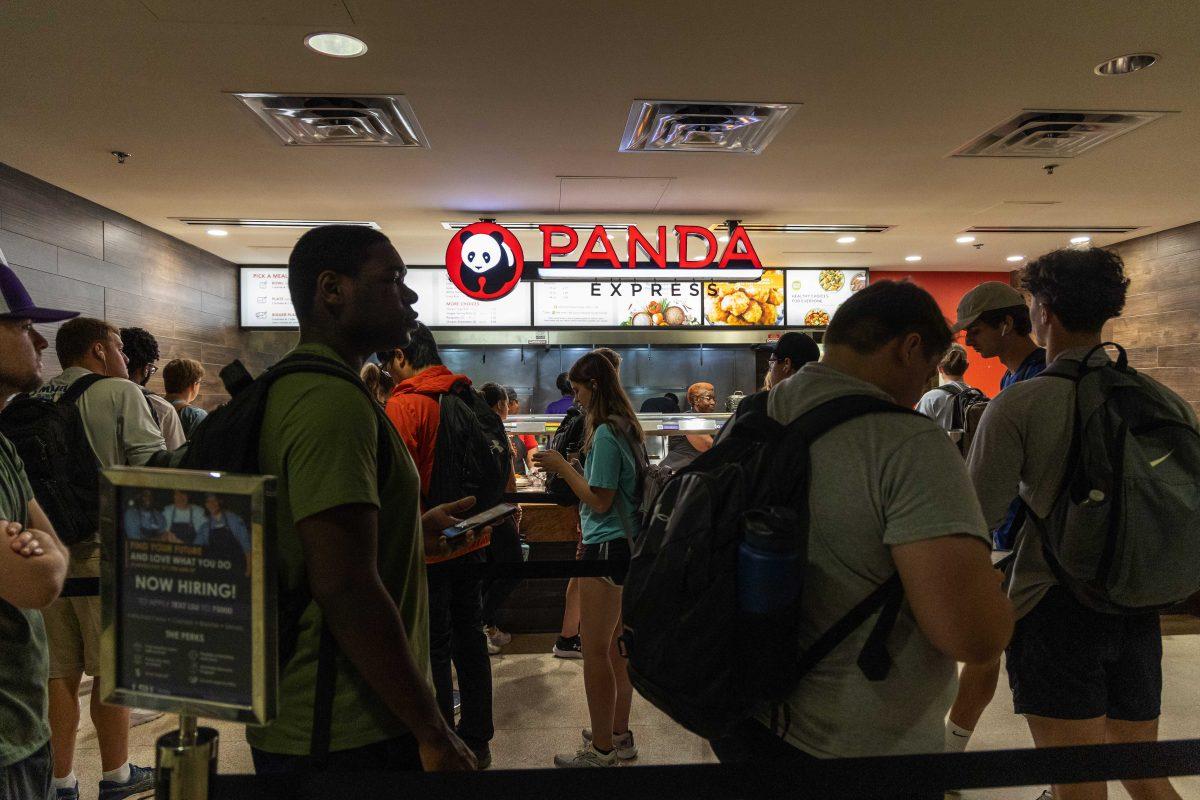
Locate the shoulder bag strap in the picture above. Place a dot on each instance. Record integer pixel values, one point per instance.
(76, 389)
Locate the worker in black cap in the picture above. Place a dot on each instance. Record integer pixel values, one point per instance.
(789, 353)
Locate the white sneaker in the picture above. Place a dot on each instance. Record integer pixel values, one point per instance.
(496, 636)
(623, 745)
(586, 756)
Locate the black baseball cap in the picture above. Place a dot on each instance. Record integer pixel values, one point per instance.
(797, 346)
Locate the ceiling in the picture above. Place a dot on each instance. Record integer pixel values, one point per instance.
(515, 97)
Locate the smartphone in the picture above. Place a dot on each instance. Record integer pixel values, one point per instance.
(481, 520)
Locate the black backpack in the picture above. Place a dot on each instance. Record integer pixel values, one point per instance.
(471, 454)
(1122, 536)
(227, 440)
(567, 439)
(692, 652)
(63, 470)
(963, 400)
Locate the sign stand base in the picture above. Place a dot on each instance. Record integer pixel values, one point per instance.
(186, 761)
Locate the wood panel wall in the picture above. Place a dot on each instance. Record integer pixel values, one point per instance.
(74, 254)
(1161, 324)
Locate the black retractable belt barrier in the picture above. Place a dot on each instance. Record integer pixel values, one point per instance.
(527, 570)
(850, 778)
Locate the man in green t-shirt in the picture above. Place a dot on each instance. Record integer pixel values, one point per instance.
(352, 532)
(33, 565)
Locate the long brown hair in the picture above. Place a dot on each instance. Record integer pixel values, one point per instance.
(609, 402)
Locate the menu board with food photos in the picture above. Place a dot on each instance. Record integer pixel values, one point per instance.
(758, 303)
(813, 295)
(613, 304)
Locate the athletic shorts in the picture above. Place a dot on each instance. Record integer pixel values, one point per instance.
(73, 626)
(1067, 661)
(616, 551)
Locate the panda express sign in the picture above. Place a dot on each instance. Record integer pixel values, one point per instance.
(485, 260)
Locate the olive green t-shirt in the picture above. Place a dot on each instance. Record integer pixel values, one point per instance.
(319, 438)
(23, 659)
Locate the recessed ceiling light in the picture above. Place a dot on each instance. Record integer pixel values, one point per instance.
(965, 239)
(338, 45)
(217, 232)
(912, 258)
(1123, 65)
(1016, 258)
(1080, 239)
(846, 240)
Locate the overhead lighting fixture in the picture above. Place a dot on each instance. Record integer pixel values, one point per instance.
(273, 223)
(1123, 65)
(337, 45)
(847, 239)
(1080, 229)
(965, 239)
(763, 227)
(1016, 258)
(216, 232)
(912, 258)
(1080, 239)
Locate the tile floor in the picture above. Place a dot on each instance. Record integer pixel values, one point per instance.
(540, 709)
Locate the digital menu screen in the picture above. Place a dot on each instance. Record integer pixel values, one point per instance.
(813, 295)
(758, 303)
(612, 304)
(265, 302)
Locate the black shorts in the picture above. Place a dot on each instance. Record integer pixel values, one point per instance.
(616, 551)
(1067, 661)
(28, 779)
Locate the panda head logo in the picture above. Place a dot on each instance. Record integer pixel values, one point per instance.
(484, 261)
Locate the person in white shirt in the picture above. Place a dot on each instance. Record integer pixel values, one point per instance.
(939, 403)
(121, 431)
(141, 349)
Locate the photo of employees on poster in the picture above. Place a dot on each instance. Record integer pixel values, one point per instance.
(184, 594)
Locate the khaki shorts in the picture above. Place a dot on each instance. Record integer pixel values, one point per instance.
(73, 625)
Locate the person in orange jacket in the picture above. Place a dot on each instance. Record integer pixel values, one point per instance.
(455, 602)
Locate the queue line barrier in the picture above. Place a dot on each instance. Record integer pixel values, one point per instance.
(528, 570)
(881, 778)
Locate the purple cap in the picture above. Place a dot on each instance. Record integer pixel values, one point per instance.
(15, 302)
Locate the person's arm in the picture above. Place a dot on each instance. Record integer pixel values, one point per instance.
(34, 564)
(140, 437)
(604, 466)
(956, 596)
(701, 441)
(994, 462)
(941, 547)
(172, 428)
(339, 551)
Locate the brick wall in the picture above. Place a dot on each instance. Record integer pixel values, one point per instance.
(1161, 324)
(74, 254)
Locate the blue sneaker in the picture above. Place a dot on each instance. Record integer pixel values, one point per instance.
(67, 794)
(141, 780)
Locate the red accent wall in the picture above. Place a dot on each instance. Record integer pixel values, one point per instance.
(948, 288)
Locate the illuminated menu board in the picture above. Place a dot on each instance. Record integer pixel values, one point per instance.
(616, 304)
(265, 302)
(746, 303)
(813, 295)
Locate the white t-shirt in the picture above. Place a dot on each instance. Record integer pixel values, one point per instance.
(877, 481)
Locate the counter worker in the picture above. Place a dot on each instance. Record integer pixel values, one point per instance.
(683, 450)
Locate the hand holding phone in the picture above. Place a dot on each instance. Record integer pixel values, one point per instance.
(483, 519)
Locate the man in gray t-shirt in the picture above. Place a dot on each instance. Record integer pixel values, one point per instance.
(1077, 675)
(889, 493)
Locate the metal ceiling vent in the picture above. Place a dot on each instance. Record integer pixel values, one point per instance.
(702, 127)
(1054, 134)
(373, 120)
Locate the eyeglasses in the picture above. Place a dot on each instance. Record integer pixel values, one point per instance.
(772, 361)
(151, 369)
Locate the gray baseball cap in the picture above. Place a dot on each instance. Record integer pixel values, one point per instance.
(988, 296)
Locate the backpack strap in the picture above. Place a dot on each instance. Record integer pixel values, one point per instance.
(76, 389)
(949, 388)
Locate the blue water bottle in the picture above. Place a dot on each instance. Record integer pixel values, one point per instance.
(771, 560)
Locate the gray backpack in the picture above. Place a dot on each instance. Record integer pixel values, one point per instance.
(1124, 534)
